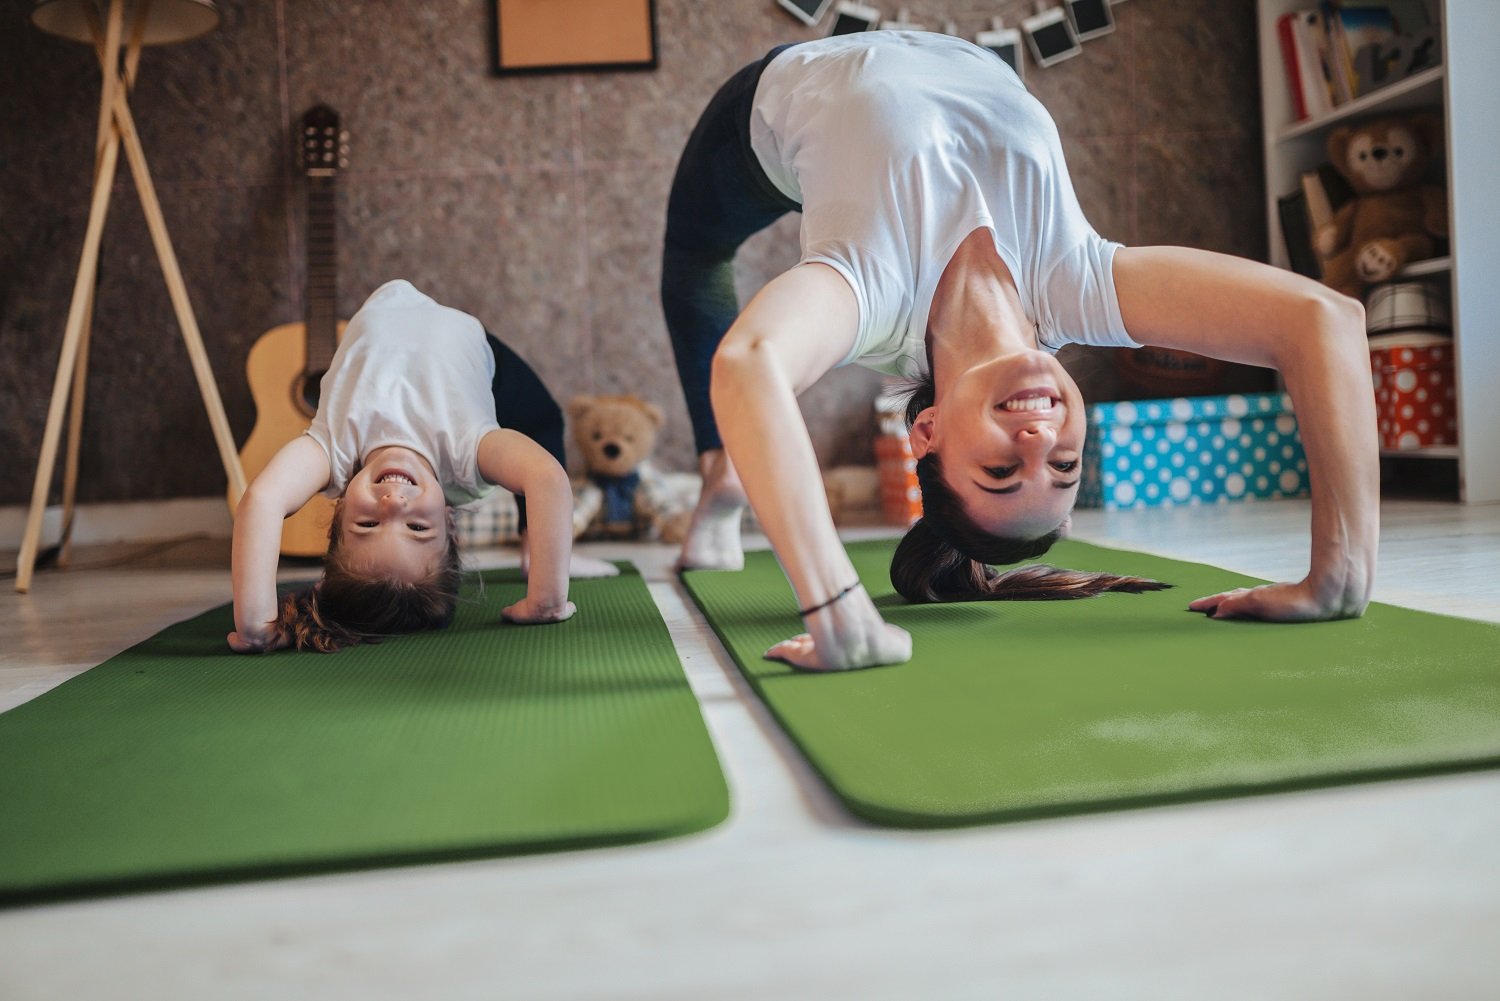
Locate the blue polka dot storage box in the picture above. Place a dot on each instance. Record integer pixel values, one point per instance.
(1192, 450)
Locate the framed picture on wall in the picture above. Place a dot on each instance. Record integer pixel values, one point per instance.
(566, 36)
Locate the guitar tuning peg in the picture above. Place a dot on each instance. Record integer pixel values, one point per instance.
(344, 136)
(343, 162)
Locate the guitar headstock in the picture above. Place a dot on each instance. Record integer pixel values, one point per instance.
(322, 146)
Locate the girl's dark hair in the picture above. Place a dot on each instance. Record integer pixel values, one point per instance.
(945, 556)
(349, 606)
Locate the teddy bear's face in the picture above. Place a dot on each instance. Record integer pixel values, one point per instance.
(616, 433)
(1383, 155)
(1382, 162)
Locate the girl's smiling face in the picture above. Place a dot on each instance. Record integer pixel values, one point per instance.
(394, 516)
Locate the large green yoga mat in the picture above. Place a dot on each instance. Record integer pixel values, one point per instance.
(1017, 709)
(179, 762)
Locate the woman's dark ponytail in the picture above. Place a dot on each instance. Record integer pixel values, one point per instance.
(926, 569)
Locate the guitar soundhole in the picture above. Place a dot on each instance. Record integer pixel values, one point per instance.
(307, 393)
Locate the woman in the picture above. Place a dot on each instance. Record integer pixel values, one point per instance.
(942, 241)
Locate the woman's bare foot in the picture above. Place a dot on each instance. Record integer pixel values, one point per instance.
(713, 536)
(591, 566)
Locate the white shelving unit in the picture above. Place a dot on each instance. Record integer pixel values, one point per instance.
(1465, 89)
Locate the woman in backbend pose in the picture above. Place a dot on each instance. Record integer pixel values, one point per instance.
(942, 241)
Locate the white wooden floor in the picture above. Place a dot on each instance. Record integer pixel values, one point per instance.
(1380, 891)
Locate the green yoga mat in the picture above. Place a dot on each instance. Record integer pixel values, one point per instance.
(1019, 709)
(179, 762)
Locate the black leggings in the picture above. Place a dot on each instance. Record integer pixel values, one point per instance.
(720, 197)
(523, 404)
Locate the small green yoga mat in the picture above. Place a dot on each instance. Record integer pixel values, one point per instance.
(1018, 709)
(180, 762)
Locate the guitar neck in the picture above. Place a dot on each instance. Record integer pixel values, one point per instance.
(322, 274)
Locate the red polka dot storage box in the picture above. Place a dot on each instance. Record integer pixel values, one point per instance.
(1192, 450)
(1414, 390)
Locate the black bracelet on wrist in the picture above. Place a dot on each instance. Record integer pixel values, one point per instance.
(805, 612)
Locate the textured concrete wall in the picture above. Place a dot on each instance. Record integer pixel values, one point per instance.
(536, 203)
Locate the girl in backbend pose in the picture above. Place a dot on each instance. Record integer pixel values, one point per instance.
(409, 424)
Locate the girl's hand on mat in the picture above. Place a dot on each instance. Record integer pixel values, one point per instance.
(263, 641)
(1277, 603)
(529, 611)
(832, 645)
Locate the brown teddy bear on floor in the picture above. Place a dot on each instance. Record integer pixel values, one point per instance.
(1394, 216)
(621, 495)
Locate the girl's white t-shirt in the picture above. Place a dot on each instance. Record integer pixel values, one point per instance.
(408, 372)
(900, 144)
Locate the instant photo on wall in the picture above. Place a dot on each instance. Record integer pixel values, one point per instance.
(1090, 18)
(1005, 43)
(850, 17)
(1051, 37)
(806, 11)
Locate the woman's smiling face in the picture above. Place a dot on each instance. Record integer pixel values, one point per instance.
(1010, 432)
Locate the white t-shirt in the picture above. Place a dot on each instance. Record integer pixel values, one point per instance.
(900, 144)
(409, 372)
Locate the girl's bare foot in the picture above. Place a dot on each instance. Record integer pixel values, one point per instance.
(579, 566)
(713, 535)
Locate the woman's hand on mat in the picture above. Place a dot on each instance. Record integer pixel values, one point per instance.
(858, 637)
(258, 641)
(1299, 602)
(530, 611)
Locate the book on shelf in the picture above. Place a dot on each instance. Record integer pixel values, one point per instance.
(1306, 67)
(1304, 211)
(1297, 232)
(1335, 52)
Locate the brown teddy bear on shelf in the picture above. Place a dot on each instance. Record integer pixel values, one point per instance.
(1394, 216)
(621, 495)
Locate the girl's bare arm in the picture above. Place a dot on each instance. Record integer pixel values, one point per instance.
(520, 465)
(296, 472)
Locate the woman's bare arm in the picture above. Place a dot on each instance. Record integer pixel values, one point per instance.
(795, 329)
(1239, 310)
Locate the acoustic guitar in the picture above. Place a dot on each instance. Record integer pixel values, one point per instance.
(286, 363)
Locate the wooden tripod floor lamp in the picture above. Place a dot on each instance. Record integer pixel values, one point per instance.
(110, 26)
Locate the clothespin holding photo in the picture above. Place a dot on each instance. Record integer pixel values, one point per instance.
(902, 22)
(1005, 43)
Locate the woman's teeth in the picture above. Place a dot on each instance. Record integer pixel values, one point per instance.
(398, 478)
(1030, 403)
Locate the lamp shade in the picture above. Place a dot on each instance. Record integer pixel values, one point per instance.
(167, 21)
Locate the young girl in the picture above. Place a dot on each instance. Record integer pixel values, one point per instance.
(942, 241)
(406, 429)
